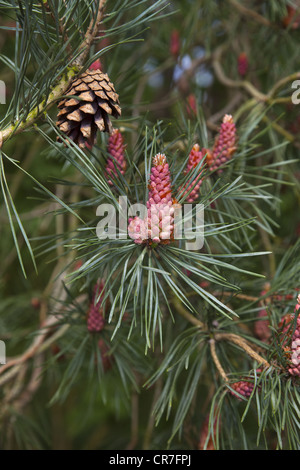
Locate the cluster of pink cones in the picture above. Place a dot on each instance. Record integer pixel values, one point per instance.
(224, 145)
(158, 225)
(290, 326)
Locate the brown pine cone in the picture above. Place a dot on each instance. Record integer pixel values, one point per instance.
(93, 101)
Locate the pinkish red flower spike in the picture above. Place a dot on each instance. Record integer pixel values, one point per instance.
(291, 336)
(193, 185)
(195, 158)
(95, 320)
(96, 65)
(243, 64)
(243, 388)
(116, 150)
(137, 230)
(175, 43)
(160, 220)
(160, 182)
(158, 225)
(225, 143)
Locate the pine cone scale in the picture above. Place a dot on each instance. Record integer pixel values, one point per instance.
(86, 78)
(95, 86)
(105, 106)
(81, 87)
(67, 126)
(86, 127)
(76, 115)
(99, 121)
(71, 102)
(87, 96)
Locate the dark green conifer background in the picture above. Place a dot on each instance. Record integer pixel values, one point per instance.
(180, 325)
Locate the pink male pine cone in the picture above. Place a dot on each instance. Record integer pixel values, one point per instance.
(243, 64)
(158, 225)
(95, 320)
(243, 387)
(116, 161)
(195, 157)
(225, 144)
(291, 344)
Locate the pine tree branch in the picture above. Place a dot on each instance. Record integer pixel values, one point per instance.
(283, 81)
(248, 86)
(17, 388)
(286, 134)
(188, 316)
(248, 298)
(249, 13)
(91, 34)
(222, 77)
(40, 109)
(212, 344)
(231, 337)
(34, 348)
(64, 83)
(33, 384)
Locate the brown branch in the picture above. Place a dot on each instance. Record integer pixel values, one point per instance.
(248, 13)
(282, 82)
(212, 344)
(33, 385)
(33, 348)
(188, 316)
(249, 298)
(15, 390)
(239, 341)
(42, 340)
(216, 63)
(249, 87)
(38, 110)
(90, 34)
